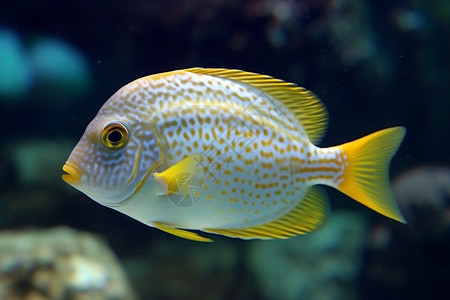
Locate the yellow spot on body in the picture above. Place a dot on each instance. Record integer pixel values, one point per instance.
(280, 161)
(238, 169)
(227, 172)
(266, 143)
(266, 154)
(205, 169)
(186, 136)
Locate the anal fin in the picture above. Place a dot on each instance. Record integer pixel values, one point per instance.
(181, 233)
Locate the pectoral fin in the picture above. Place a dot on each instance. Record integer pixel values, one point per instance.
(181, 233)
(175, 178)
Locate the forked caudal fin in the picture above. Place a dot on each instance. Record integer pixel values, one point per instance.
(366, 178)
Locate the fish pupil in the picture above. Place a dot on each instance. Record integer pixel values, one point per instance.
(114, 137)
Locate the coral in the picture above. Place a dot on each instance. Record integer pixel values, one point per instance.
(59, 263)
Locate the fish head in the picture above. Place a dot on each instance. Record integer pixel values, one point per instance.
(113, 159)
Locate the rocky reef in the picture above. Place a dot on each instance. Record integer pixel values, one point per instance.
(59, 263)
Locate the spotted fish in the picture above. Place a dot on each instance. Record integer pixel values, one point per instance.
(226, 152)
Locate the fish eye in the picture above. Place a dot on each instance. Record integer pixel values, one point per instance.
(114, 135)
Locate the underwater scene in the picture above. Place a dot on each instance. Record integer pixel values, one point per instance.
(225, 149)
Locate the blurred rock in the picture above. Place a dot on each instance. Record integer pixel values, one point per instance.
(322, 265)
(425, 187)
(404, 255)
(59, 263)
(31, 187)
(50, 68)
(15, 73)
(37, 162)
(61, 71)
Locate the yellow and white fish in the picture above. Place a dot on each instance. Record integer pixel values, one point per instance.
(228, 152)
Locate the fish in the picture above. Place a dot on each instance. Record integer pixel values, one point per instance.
(227, 152)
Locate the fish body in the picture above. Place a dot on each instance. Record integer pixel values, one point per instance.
(225, 151)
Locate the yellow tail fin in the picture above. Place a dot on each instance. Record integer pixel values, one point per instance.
(366, 178)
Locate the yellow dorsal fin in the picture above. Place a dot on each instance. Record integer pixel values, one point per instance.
(181, 233)
(366, 178)
(303, 104)
(307, 216)
(174, 179)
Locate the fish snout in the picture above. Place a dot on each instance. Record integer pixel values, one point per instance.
(73, 175)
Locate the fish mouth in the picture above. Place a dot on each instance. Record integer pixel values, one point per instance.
(73, 175)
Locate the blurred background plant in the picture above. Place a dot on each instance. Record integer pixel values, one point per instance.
(373, 63)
